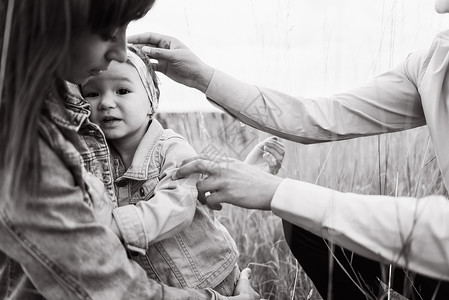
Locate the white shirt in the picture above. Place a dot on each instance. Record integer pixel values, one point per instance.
(413, 94)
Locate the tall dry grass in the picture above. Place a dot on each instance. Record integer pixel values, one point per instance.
(400, 164)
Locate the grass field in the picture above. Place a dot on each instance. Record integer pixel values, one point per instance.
(400, 164)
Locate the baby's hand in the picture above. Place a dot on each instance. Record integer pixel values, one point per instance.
(267, 155)
(243, 290)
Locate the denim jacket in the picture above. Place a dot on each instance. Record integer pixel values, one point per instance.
(193, 248)
(51, 244)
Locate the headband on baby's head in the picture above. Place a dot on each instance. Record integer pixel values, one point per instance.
(145, 77)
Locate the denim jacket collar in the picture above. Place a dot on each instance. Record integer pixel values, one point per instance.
(65, 126)
(141, 168)
(73, 117)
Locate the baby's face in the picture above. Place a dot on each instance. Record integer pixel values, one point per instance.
(119, 102)
(442, 6)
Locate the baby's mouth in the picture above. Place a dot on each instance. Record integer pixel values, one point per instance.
(109, 120)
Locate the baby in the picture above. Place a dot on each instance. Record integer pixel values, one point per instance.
(176, 239)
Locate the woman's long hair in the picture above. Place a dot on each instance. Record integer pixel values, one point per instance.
(35, 37)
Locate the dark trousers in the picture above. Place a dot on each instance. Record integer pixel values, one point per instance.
(312, 253)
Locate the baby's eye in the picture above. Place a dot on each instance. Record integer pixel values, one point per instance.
(123, 91)
(90, 95)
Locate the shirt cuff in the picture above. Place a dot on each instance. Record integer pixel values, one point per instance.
(131, 227)
(309, 206)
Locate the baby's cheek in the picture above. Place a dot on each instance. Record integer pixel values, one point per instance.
(94, 117)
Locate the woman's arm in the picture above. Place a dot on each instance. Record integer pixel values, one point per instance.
(66, 253)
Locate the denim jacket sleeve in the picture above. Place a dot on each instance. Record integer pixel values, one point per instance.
(65, 252)
(390, 102)
(172, 207)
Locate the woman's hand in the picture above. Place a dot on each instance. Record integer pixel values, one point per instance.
(243, 290)
(175, 60)
(267, 155)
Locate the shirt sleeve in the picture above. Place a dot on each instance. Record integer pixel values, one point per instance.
(65, 252)
(410, 232)
(172, 207)
(388, 103)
